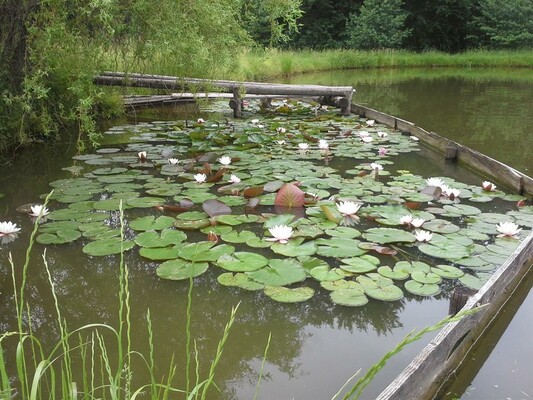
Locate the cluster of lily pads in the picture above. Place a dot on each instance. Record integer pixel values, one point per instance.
(297, 201)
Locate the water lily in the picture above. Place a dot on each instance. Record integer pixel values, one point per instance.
(234, 179)
(377, 166)
(382, 151)
(200, 120)
(423, 236)
(200, 178)
(348, 208)
(281, 129)
(323, 144)
(450, 192)
(260, 126)
(406, 220)
(8, 228)
(364, 134)
(437, 182)
(303, 146)
(367, 139)
(414, 138)
(173, 161)
(489, 186)
(280, 142)
(254, 121)
(225, 160)
(418, 222)
(39, 210)
(370, 122)
(142, 155)
(508, 229)
(383, 134)
(280, 233)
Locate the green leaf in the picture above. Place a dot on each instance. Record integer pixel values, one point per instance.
(107, 247)
(151, 223)
(349, 297)
(279, 273)
(180, 269)
(153, 239)
(286, 295)
(204, 251)
(422, 289)
(388, 235)
(242, 261)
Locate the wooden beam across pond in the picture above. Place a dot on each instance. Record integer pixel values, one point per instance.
(340, 96)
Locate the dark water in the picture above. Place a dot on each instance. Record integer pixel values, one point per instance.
(316, 346)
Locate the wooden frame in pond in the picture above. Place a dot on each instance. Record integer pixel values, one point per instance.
(428, 372)
(339, 96)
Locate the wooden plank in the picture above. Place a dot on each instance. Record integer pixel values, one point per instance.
(423, 377)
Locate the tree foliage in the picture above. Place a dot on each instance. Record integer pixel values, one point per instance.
(380, 24)
(504, 24)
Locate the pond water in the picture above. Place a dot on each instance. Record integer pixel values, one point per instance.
(316, 345)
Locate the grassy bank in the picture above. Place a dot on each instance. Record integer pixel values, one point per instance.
(273, 63)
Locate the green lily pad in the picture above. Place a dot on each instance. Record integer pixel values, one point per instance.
(340, 285)
(286, 295)
(107, 247)
(441, 226)
(325, 273)
(422, 289)
(279, 273)
(388, 235)
(150, 222)
(472, 282)
(339, 247)
(192, 225)
(380, 289)
(461, 209)
(426, 277)
(180, 269)
(237, 237)
(159, 253)
(294, 249)
(343, 232)
(242, 261)
(60, 236)
(447, 271)
(349, 297)
(240, 280)
(359, 265)
(204, 251)
(145, 202)
(396, 273)
(166, 238)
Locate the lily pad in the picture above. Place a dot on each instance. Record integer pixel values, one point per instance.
(159, 253)
(294, 248)
(150, 222)
(240, 280)
(388, 235)
(180, 269)
(441, 226)
(422, 289)
(339, 247)
(359, 265)
(60, 236)
(447, 271)
(349, 297)
(166, 238)
(204, 251)
(242, 261)
(286, 295)
(279, 273)
(107, 247)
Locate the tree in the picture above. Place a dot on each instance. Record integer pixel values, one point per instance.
(323, 23)
(380, 24)
(439, 24)
(504, 24)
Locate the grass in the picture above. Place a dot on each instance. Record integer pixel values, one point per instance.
(84, 354)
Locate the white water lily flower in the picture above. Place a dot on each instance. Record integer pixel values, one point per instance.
(142, 155)
(437, 182)
(423, 236)
(348, 208)
(260, 126)
(323, 144)
(382, 151)
(377, 166)
(173, 161)
(200, 178)
(280, 142)
(281, 233)
(406, 220)
(303, 146)
(489, 186)
(8, 228)
(370, 122)
(451, 193)
(414, 138)
(200, 120)
(234, 179)
(281, 129)
(364, 134)
(225, 160)
(367, 139)
(418, 222)
(508, 229)
(254, 121)
(39, 210)
(383, 134)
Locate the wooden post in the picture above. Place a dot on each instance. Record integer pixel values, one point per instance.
(460, 296)
(237, 111)
(451, 153)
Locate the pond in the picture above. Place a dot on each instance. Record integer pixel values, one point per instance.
(316, 345)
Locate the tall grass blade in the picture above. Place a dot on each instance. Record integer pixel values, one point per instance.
(262, 366)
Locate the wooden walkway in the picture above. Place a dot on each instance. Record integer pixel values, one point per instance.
(339, 96)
